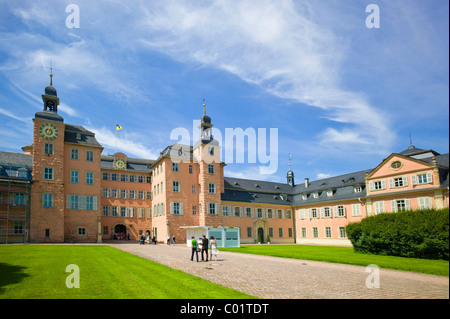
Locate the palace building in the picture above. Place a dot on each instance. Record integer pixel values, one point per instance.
(62, 189)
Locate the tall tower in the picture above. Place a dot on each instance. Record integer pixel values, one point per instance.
(207, 154)
(47, 192)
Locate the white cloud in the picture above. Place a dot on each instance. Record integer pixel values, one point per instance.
(122, 142)
(277, 46)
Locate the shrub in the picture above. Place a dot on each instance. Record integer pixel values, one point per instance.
(418, 234)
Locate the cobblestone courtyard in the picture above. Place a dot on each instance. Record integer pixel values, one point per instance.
(283, 278)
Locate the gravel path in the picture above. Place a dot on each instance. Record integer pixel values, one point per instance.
(283, 278)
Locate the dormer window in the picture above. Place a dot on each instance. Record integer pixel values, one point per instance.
(315, 195)
(329, 193)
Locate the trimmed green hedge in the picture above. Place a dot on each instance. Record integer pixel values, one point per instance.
(417, 234)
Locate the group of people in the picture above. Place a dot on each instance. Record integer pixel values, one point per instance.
(202, 245)
(120, 236)
(168, 239)
(148, 239)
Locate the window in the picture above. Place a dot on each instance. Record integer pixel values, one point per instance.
(356, 210)
(269, 213)
(74, 153)
(105, 230)
(132, 194)
(190, 169)
(20, 199)
(225, 210)
(212, 208)
(237, 211)
(175, 208)
(313, 213)
(290, 232)
(211, 150)
(106, 176)
(48, 200)
(280, 232)
(400, 205)
(73, 201)
(74, 177)
(342, 233)
(48, 173)
(105, 210)
(175, 167)
(270, 231)
(89, 202)
(249, 232)
(47, 233)
(211, 169)
(212, 188)
(326, 212)
(260, 212)
(48, 148)
(422, 179)
(194, 209)
(123, 212)
(248, 212)
(315, 231)
(114, 177)
(377, 185)
(424, 202)
(89, 156)
(175, 186)
(140, 179)
(303, 232)
(82, 231)
(89, 178)
(123, 193)
(379, 207)
(339, 211)
(329, 193)
(124, 177)
(141, 194)
(398, 182)
(279, 213)
(132, 178)
(18, 227)
(327, 232)
(193, 189)
(357, 189)
(396, 165)
(114, 193)
(315, 195)
(114, 211)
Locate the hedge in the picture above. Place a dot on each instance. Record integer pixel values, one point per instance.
(417, 234)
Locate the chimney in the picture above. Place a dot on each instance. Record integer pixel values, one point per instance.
(306, 182)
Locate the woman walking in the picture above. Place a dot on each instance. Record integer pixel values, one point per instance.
(214, 250)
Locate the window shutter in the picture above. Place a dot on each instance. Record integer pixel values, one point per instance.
(407, 204)
(322, 212)
(94, 204)
(429, 178)
(181, 209)
(171, 208)
(413, 179)
(371, 186)
(336, 211)
(68, 201)
(405, 181)
(310, 212)
(393, 206)
(216, 209)
(391, 183)
(383, 184)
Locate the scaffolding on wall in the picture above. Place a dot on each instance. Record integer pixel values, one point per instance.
(15, 187)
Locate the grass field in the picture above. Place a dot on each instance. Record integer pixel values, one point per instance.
(39, 271)
(346, 255)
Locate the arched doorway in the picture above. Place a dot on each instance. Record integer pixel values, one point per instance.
(261, 234)
(120, 229)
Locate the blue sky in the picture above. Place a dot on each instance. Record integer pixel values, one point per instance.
(343, 97)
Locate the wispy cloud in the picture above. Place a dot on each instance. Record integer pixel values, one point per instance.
(277, 46)
(123, 142)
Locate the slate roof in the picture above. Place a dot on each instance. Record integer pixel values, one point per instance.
(79, 135)
(12, 163)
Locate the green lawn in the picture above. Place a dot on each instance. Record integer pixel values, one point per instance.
(346, 255)
(39, 271)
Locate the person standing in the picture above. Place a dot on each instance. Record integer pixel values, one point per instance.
(168, 240)
(173, 239)
(205, 247)
(214, 250)
(194, 248)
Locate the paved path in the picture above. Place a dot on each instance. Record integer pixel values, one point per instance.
(283, 278)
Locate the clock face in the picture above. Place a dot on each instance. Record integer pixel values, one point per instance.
(119, 164)
(48, 131)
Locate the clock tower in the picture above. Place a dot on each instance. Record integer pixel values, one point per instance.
(47, 193)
